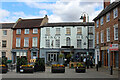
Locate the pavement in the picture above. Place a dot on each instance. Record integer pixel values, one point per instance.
(69, 73)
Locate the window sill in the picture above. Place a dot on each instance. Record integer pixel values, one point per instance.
(35, 33)
(68, 34)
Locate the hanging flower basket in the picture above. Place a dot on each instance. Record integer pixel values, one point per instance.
(57, 68)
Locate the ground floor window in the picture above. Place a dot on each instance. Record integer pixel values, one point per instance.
(34, 55)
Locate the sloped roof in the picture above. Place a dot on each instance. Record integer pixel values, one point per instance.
(107, 9)
(69, 24)
(6, 25)
(28, 23)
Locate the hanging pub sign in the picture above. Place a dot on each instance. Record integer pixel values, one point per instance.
(113, 47)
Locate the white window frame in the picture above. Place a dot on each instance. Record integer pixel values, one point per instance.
(35, 31)
(26, 31)
(97, 37)
(4, 32)
(18, 41)
(115, 26)
(108, 34)
(26, 42)
(34, 41)
(57, 42)
(97, 22)
(101, 20)
(79, 30)
(47, 43)
(90, 40)
(18, 31)
(48, 31)
(102, 36)
(68, 31)
(115, 13)
(58, 31)
(107, 17)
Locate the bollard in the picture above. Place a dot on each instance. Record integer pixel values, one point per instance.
(111, 70)
(97, 67)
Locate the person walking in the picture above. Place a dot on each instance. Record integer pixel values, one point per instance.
(91, 62)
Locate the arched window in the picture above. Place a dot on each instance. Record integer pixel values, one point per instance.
(68, 41)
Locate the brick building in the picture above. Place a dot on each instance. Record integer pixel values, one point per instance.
(107, 35)
(26, 38)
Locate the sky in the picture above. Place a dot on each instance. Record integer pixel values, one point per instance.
(57, 10)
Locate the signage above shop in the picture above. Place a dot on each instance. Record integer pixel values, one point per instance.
(113, 47)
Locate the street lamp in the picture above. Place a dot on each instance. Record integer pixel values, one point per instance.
(84, 14)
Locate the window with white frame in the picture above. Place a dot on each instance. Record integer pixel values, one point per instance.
(79, 30)
(108, 34)
(4, 32)
(18, 31)
(79, 43)
(108, 17)
(102, 36)
(115, 13)
(21, 53)
(101, 21)
(97, 23)
(34, 41)
(58, 31)
(26, 42)
(97, 37)
(35, 31)
(68, 31)
(90, 43)
(18, 42)
(90, 36)
(116, 32)
(26, 31)
(47, 43)
(68, 41)
(90, 29)
(4, 43)
(48, 31)
(57, 43)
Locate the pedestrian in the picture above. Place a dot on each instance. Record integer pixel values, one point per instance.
(91, 62)
(87, 63)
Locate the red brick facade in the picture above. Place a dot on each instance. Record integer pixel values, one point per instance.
(104, 46)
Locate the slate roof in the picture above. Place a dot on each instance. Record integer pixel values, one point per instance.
(69, 24)
(28, 23)
(107, 9)
(6, 25)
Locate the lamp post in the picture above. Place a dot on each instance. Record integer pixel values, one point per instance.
(84, 14)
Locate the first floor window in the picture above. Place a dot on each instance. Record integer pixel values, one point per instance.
(102, 37)
(26, 31)
(34, 42)
(3, 54)
(57, 43)
(68, 31)
(26, 42)
(116, 32)
(108, 34)
(4, 43)
(90, 29)
(90, 43)
(97, 37)
(79, 43)
(47, 43)
(17, 42)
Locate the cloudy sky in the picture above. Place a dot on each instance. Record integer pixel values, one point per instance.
(57, 10)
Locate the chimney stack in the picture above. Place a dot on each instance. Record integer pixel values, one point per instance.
(84, 18)
(106, 3)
